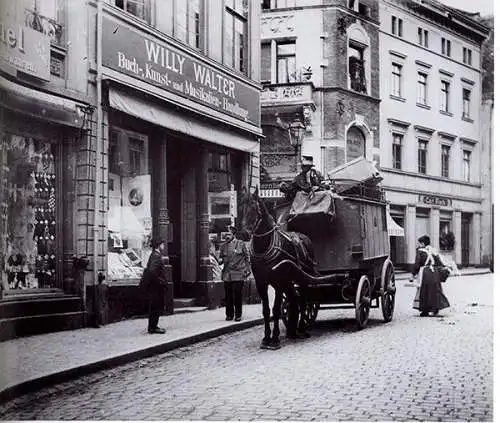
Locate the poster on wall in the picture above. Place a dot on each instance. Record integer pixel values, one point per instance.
(137, 198)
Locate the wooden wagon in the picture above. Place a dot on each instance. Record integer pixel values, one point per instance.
(351, 247)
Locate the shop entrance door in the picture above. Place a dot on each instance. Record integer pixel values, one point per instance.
(466, 221)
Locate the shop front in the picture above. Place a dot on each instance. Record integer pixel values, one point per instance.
(178, 154)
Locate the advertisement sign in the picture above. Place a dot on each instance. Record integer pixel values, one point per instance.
(434, 200)
(25, 50)
(155, 61)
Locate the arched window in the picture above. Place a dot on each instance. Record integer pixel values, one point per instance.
(355, 144)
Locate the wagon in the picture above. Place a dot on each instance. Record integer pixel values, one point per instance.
(351, 249)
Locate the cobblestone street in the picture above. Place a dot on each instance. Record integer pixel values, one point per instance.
(432, 369)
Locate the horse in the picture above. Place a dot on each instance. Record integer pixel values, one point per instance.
(269, 246)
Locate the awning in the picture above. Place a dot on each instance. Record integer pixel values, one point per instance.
(39, 104)
(392, 227)
(177, 121)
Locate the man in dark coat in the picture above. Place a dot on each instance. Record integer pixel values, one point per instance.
(157, 281)
(307, 180)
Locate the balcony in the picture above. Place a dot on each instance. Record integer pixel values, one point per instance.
(44, 25)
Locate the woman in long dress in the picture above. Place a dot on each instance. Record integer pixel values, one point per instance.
(429, 297)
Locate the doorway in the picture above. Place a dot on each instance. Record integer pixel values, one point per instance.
(466, 223)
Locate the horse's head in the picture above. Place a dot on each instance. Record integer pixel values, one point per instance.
(253, 210)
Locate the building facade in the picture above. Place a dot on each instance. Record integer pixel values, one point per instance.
(430, 127)
(320, 73)
(122, 120)
(44, 108)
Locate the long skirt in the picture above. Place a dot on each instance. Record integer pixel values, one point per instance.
(429, 296)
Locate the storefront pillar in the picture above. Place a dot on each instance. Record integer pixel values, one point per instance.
(204, 273)
(434, 232)
(457, 230)
(70, 279)
(163, 222)
(410, 225)
(476, 239)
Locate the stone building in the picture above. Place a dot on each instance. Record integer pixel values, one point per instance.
(140, 118)
(430, 127)
(320, 75)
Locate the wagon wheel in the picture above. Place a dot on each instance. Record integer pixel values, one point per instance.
(311, 312)
(388, 290)
(363, 301)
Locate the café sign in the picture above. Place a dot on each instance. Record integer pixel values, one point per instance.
(24, 49)
(156, 62)
(433, 200)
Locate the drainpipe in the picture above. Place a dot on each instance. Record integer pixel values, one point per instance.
(97, 275)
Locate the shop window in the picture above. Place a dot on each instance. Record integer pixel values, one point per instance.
(357, 68)
(445, 161)
(28, 201)
(222, 198)
(446, 236)
(138, 8)
(129, 213)
(422, 157)
(235, 34)
(286, 63)
(397, 141)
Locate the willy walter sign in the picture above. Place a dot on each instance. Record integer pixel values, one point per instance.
(156, 62)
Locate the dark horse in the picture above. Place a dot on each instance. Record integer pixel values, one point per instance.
(269, 246)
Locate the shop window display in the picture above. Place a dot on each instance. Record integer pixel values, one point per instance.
(28, 193)
(129, 214)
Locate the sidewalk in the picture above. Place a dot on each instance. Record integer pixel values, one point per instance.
(30, 363)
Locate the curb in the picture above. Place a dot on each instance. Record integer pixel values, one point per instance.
(65, 375)
(406, 275)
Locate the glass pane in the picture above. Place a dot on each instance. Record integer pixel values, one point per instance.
(282, 71)
(181, 19)
(28, 213)
(286, 49)
(228, 40)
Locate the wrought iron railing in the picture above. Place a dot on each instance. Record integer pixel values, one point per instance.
(47, 26)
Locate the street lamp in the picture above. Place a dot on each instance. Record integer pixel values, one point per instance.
(297, 130)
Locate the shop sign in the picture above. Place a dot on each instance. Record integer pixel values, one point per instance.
(434, 200)
(286, 94)
(145, 57)
(25, 50)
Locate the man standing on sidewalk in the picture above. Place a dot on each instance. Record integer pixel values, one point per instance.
(156, 284)
(235, 257)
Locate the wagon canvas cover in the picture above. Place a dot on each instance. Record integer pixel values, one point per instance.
(319, 203)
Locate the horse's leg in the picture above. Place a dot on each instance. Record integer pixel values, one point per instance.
(278, 298)
(293, 311)
(262, 290)
(302, 329)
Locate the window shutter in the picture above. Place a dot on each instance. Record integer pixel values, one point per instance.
(265, 75)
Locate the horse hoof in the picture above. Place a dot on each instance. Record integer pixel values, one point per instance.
(265, 343)
(274, 345)
(303, 335)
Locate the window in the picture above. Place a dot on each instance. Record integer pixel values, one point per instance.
(445, 47)
(422, 88)
(357, 68)
(397, 140)
(139, 8)
(235, 33)
(397, 26)
(129, 214)
(422, 156)
(277, 4)
(423, 37)
(445, 96)
(45, 16)
(445, 161)
(466, 103)
(467, 56)
(285, 59)
(466, 165)
(265, 62)
(396, 80)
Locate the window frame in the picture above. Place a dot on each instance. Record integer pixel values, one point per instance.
(466, 102)
(397, 150)
(290, 76)
(445, 95)
(422, 85)
(236, 16)
(361, 62)
(422, 155)
(466, 164)
(445, 160)
(147, 4)
(396, 79)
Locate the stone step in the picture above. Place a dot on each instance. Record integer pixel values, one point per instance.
(180, 310)
(184, 302)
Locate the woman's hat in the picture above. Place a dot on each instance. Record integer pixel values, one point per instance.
(424, 239)
(156, 241)
(307, 161)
